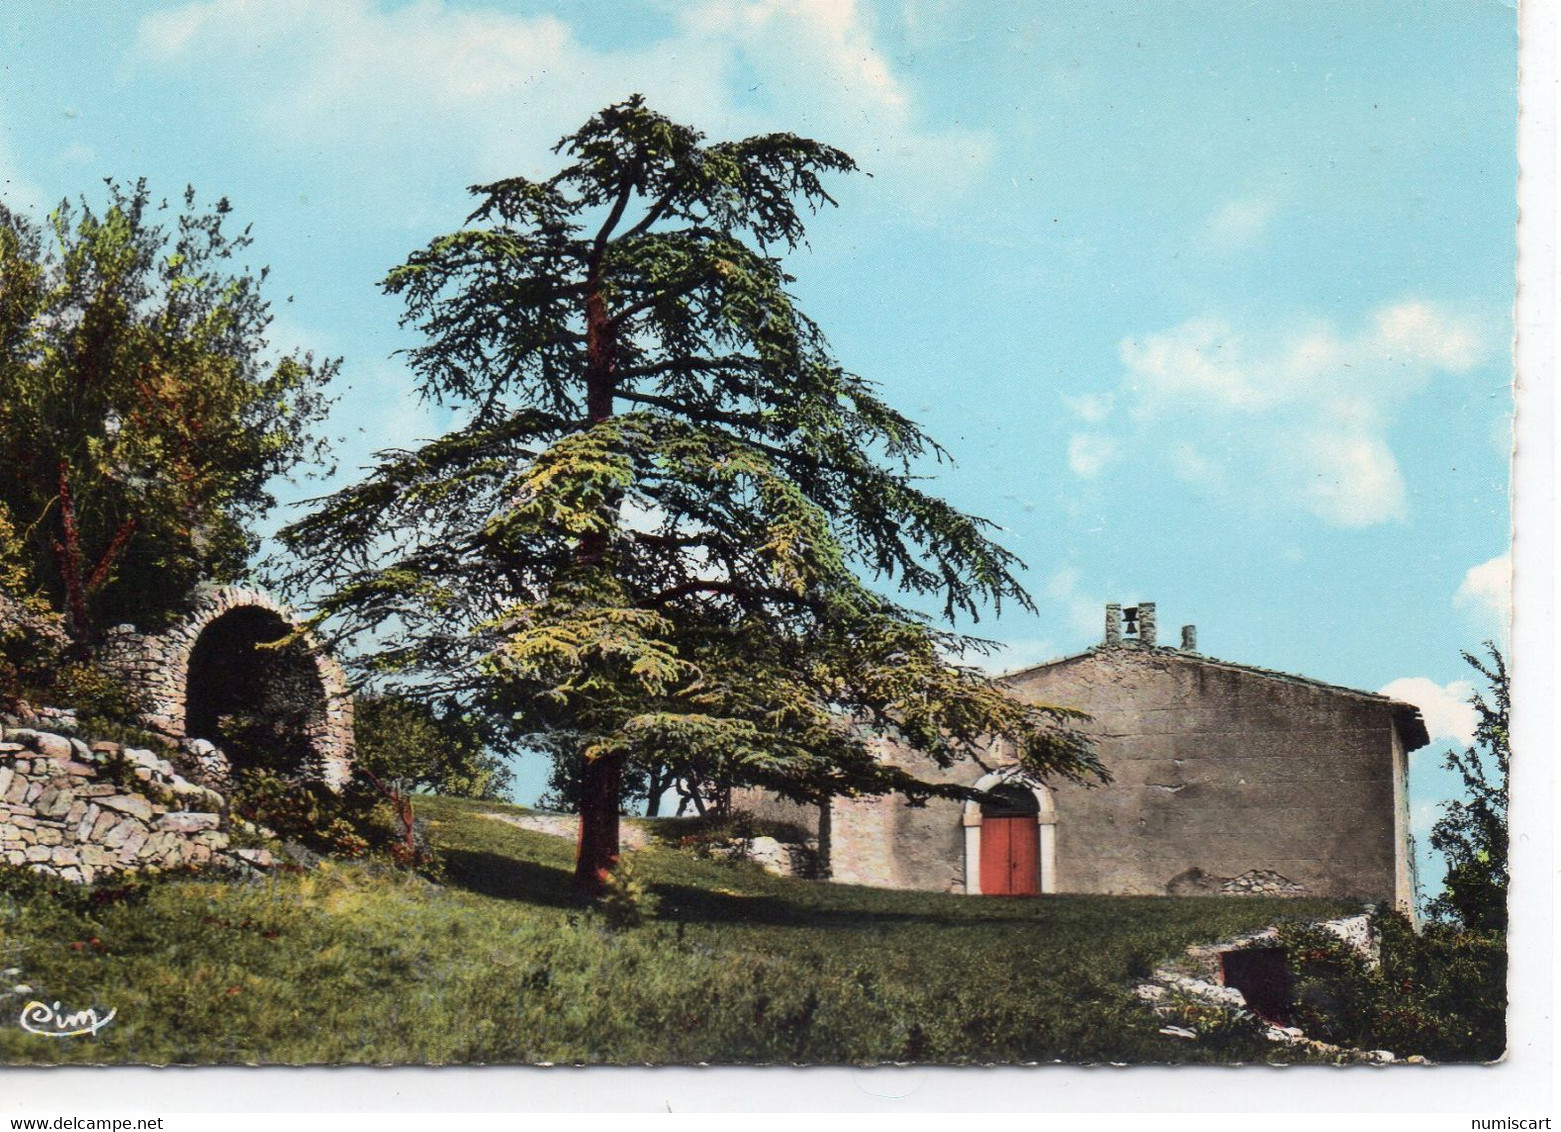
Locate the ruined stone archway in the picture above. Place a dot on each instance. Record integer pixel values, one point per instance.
(210, 667)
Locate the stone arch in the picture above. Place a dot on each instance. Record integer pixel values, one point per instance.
(1046, 822)
(222, 623)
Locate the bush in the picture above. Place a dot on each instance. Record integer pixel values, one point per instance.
(359, 821)
(1440, 994)
(626, 900)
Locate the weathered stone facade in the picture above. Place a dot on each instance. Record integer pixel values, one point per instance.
(1225, 779)
(159, 666)
(83, 811)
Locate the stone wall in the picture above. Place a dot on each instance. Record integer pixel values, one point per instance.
(158, 666)
(1229, 770)
(1226, 780)
(83, 811)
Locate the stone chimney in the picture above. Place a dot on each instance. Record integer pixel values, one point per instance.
(1189, 638)
(1113, 624)
(1146, 626)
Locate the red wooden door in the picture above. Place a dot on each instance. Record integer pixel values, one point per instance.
(1008, 856)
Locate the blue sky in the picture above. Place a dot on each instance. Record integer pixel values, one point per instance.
(1212, 305)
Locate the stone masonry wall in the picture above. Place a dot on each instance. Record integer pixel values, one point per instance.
(1226, 780)
(83, 811)
(158, 665)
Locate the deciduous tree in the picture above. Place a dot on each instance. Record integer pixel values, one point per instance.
(143, 416)
(1471, 834)
(656, 531)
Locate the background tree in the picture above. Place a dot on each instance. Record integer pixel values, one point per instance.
(439, 747)
(652, 531)
(1471, 834)
(142, 415)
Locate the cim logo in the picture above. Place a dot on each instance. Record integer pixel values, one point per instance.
(51, 1022)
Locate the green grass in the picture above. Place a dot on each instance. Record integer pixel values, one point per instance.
(499, 963)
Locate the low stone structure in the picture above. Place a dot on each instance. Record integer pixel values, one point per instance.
(237, 651)
(82, 811)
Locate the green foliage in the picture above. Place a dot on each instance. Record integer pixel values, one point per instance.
(1440, 994)
(438, 747)
(356, 822)
(33, 642)
(650, 542)
(142, 413)
(1471, 834)
(1217, 1027)
(502, 964)
(626, 900)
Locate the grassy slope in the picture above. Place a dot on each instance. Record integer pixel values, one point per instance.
(500, 965)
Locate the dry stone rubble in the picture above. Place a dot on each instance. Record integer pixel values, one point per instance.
(83, 811)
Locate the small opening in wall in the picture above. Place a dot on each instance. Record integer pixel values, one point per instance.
(1263, 977)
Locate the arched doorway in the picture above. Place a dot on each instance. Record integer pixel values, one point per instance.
(261, 702)
(1010, 839)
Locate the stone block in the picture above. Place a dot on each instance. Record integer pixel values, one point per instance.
(188, 821)
(54, 802)
(51, 746)
(15, 857)
(131, 848)
(65, 855)
(6, 777)
(96, 856)
(17, 792)
(48, 836)
(39, 853)
(119, 832)
(132, 804)
(34, 789)
(96, 790)
(105, 821)
(77, 811)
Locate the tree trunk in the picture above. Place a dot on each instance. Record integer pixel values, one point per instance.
(602, 782)
(653, 792)
(597, 852)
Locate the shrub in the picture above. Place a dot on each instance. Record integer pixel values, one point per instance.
(1440, 994)
(358, 821)
(626, 900)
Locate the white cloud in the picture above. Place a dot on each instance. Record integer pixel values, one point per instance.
(1017, 655)
(1296, 418)
(1090, 452)
(490, 89)
(1486, 590)
(1085, 612)
(1091, 408)
(1237, 225)
(1449, 717)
